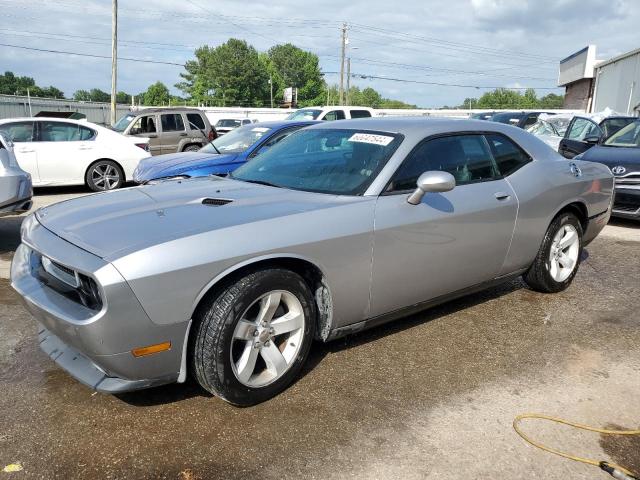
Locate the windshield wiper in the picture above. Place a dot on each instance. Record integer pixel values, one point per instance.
(206, 137)
(259, 182)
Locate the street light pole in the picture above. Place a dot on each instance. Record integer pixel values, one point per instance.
(114, 58)
(348, 80)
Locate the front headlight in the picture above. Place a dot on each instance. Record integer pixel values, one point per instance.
(28, 224)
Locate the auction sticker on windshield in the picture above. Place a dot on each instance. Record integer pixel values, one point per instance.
(383, 140)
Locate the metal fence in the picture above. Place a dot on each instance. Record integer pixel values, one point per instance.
(12, 106)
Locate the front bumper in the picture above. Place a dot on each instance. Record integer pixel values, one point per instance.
(94, 346)
(626, 203)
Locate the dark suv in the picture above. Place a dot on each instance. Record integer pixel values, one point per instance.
(583, 133)
(169, 130)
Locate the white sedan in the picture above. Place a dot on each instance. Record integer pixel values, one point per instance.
(74, 152)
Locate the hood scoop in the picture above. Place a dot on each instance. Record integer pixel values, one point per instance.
(215, 202)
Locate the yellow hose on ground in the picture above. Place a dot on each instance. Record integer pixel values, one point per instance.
(588, 461)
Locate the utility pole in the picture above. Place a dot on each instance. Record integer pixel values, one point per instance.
(348, 80)
(114, 58)
(271, 87)
(344, 45)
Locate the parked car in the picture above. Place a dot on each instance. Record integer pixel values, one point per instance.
(338, 228)
(15, 183)
(331, 113)
(585, 131)
(219, 157)
(169, 130)
(482, 115)
(550, 128)
(517, 119)
(225, 125)
(621, 153)
(74, 152)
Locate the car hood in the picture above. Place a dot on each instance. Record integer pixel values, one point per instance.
(113, 224)
(177, 163)
(629, 158)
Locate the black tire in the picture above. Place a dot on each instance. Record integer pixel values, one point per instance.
(539, 277)
(214, 326)
(194, 147)
(99, 183)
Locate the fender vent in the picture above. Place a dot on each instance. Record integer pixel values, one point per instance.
(215, 202)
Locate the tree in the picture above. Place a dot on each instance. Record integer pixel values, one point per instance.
(156, 94)
(230, 74)
(10, 84)
(291, 66)
(122, 97)
(82, 96)
(511, 99)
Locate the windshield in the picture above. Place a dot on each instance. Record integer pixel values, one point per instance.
(511, 118)
(305, 114)
(628, 136)
(336, 161)
(123, 123)
(228, 123)
(237, 140)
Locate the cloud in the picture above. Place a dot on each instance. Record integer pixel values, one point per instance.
(501, 42)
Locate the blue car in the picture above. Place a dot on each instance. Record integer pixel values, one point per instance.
(219, 157)
(621, 153)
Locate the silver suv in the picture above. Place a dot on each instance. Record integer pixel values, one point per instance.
(169, 130)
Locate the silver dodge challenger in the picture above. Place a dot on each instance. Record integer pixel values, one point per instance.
(338, 228)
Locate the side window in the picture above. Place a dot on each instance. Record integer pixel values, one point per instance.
(612, 125)
(334, 115)
(466, 157)
(64, 132)
(531, 119)
(507, 154)
(144, 124)
(172, 122)
(582, 128)
(195, 121)
(18, 131)
(360, 113)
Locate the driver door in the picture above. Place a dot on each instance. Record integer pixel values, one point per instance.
(451, 240)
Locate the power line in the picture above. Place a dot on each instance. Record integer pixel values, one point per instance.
(78, 54)
(442, 84)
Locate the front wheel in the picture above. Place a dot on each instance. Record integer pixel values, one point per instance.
(104, 175)
(192, 148)
(559, 256)
(251, 340)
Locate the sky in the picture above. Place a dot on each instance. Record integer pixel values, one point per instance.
(443, 50)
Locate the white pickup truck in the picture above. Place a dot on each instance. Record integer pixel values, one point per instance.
(330, 113)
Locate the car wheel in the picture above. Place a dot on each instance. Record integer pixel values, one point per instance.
(104, 175)
(192, 148)
(559, 256)
(251, 340)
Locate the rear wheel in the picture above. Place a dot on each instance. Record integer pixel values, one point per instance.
(252, 339)
(192, 148)
(559, 256)
(104, 175)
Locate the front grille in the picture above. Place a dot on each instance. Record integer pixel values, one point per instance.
(629, 179)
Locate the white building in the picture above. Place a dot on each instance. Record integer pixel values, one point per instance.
(593, 85)
(617, 84)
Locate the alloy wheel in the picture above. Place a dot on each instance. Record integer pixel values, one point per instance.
(267, 338)
(563, 255)
(105, 176)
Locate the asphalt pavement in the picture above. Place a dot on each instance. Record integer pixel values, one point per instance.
(428, 396)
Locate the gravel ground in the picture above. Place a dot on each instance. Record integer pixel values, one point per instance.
(429, 396)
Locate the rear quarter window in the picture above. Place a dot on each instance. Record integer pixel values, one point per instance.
(195, 121)
(360, 113)
(509, 156)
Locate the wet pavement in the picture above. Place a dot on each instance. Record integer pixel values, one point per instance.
(429, 396)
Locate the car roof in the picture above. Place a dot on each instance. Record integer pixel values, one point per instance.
(283, 123)
(50, 119)
(166, 109)
(420, 125)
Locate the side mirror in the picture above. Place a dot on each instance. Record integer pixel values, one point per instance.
(592, 139)
(434, 181)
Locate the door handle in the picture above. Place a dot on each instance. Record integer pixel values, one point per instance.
(151, 136)
(183, 134)
(85, 148)
(25, 151)
(502, 196)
